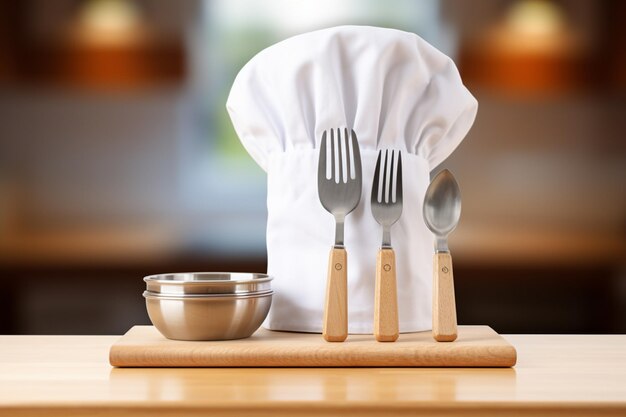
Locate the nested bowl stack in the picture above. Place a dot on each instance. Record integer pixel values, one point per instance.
(208, 305)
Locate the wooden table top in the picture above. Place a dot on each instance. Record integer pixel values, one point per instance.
(71, 376)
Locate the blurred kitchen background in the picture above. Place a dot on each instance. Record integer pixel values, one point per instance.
(118, 159)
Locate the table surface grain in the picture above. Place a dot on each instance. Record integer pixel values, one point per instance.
(71, 375)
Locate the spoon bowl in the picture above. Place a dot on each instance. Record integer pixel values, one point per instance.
(442, 206)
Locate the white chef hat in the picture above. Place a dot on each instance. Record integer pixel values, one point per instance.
(396, 92)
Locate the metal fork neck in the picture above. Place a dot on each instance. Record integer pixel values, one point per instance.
(339, 222)
(386, 237)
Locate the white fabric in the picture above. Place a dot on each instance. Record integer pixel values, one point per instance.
(397, 92)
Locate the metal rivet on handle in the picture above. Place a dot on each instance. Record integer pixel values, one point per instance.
(445, 269)
(387, 267)
(338, 266)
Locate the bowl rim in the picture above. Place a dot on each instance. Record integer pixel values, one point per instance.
(256, 277)
(203, 297)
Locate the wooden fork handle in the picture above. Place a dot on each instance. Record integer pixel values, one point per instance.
(444, 308)
(336, 309)
(385, 297)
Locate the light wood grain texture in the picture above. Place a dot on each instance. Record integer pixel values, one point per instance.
(444, 305)
(335, 327)
(477, 346)
(386, 297)
(555, 376)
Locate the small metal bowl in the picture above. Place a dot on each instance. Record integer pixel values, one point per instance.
(208, 283)
(207, 317)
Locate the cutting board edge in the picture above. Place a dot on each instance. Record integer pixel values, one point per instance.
(507, 358)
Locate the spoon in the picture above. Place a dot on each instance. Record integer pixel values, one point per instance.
(442, 209)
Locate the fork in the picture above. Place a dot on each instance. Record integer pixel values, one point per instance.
(386, 209)
(339, 189)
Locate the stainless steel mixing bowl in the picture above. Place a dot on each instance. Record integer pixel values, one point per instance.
(208, 317)
(208, 283)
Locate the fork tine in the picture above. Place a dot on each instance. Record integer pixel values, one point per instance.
(341, 156)
(399, 179)
(333, 163)
(385, 197)
(356, 157)
(321, 166)
(375, 185)
(392, 170)
(348, 154)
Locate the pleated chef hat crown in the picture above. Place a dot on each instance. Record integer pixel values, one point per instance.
(395, 91)
(391, 86)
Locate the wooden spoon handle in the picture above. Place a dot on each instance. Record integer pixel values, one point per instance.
(385, 297)
(444, 308)
(336, 309)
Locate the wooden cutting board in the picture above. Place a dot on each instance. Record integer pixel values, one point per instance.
(476, 346)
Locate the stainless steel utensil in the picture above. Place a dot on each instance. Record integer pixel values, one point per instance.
(386, 208)
(208, 283)
(339, 189)
(442, 210)
(207, 317)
